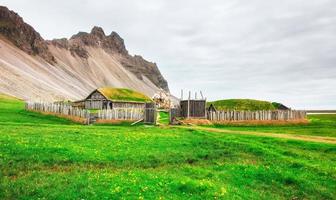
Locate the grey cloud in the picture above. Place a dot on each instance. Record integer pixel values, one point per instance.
(266, 49)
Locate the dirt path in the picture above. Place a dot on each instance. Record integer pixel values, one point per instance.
(329, 140)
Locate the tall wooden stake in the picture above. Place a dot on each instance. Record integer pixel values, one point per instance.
(189, 105)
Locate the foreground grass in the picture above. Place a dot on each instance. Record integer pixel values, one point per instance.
(56, 159)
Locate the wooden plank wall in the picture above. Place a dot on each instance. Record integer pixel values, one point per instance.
(121, 114)
(197, 108)
(184, 108)
(95, 101)
(94, 104)
(256, 115)
(150, 113)
(150, 116)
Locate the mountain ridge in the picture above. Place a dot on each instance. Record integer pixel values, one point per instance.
(69, 68)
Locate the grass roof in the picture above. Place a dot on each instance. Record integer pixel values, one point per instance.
(123, 94)
(242, 104)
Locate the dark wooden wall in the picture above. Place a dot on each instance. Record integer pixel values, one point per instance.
(196, 108)
(150, 113)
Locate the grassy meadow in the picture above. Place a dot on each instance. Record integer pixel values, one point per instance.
(319, 125)
(45, 157)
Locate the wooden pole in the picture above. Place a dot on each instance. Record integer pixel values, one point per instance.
(188, 115)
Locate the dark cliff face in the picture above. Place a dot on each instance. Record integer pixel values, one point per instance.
(141, 67)
(23, 35)
(112, 44)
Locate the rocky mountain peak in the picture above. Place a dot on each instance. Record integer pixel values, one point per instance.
(112, 43)
(115, 42)
(98, 31)
(22, 35)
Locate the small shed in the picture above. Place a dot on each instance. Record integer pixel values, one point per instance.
(110, 98)
(193, 108)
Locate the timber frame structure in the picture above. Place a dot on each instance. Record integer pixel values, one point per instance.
(193, 108)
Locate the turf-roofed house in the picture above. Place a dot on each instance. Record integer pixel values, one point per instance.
(110, 98)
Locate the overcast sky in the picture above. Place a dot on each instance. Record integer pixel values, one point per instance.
(272, 50)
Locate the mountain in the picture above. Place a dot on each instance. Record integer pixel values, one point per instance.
(32, 68)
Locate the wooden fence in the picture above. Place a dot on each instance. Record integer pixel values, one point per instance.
(62, 109)
(121, 114)
(132, 114)
(255, 115)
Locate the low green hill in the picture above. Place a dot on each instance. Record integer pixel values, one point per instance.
(244, 104)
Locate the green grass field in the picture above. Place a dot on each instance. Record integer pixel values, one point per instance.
(164, 118)
(243, 104)
(320, 125)
(44, 157)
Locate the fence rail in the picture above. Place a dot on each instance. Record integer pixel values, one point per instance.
(256, 115)
(121, 114)
(62, 109)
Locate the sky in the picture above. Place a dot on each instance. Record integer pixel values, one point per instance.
(272, 50)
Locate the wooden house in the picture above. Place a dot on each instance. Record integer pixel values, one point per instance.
(110, 98)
